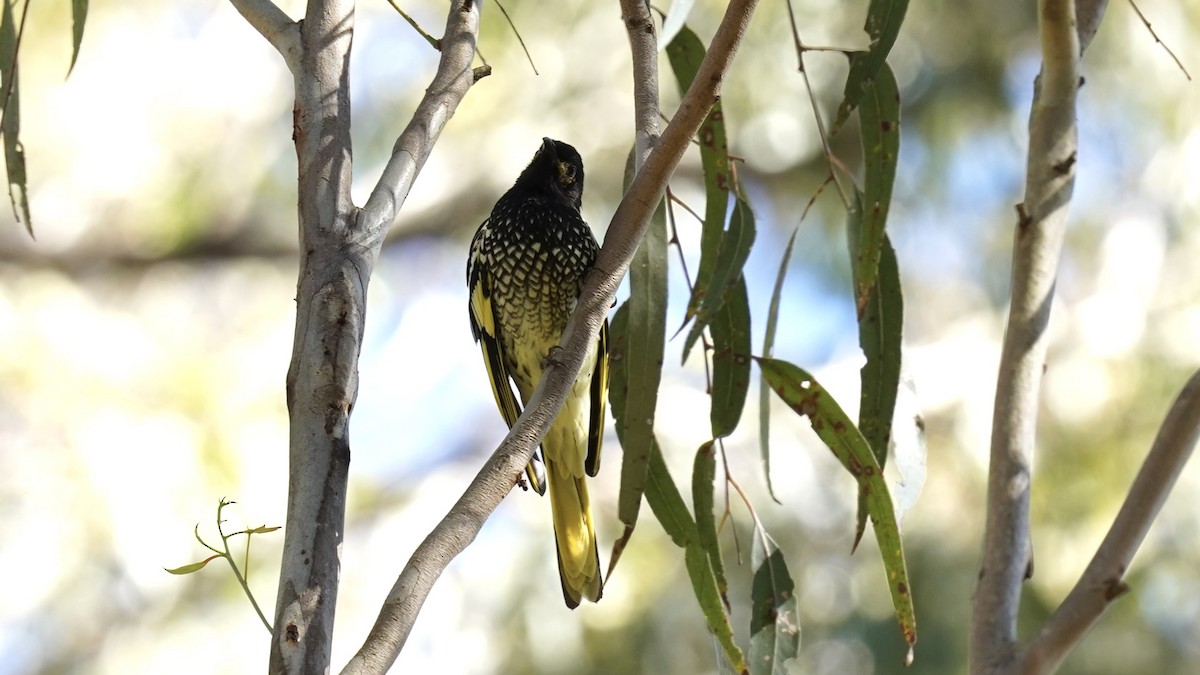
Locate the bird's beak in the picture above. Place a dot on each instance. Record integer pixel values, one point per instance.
(548, 146)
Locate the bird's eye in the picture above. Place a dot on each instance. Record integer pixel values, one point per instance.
(566, 173)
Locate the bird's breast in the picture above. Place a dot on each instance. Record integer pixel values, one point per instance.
(538, 259)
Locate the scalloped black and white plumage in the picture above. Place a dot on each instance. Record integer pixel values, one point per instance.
(526, 268)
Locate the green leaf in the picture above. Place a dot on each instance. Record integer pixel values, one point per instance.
(666, 502)
(879, 334)
(194, 567)
(10, 126)
(704, 585)
(643, 357)
(731, 361)
(880, 120)
(704, 474)
(876, 275)
(618, 390)
(884, 18)
(262, 529)
(807, 397)
(727, 272)
(764, 392)
(774, 618)
(880, 329)
(79, 10)
(618, 375)
(685, 53)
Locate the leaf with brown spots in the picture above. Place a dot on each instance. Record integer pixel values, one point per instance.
(803, 394)
(880, 121)
(685, 53)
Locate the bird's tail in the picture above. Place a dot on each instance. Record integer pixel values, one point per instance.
(575, 536)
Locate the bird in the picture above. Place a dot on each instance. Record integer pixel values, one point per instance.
(526, 268)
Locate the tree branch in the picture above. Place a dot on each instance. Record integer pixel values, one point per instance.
(276, 26)
(322, 379)
(1050, 176)
(454, 77)
(460, 526)
(643, 46)
(1102, 581)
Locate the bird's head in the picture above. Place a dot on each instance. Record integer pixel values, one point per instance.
(557, 172)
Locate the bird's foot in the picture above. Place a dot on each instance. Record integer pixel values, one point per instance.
(552, 357)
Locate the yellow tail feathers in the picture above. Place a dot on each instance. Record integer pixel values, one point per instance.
(575, 536)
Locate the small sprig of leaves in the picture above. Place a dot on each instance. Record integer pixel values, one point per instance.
(224, 552)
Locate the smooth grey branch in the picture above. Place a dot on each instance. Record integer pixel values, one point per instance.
(1102, 581)
(1050, 177)
(275, 25)
(643, 44)
(454, 77)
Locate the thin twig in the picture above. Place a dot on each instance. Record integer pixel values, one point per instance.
(433, 42)
(812, 99)
(516, 32)
(228, 556)
(671, 200)
(1159, 40)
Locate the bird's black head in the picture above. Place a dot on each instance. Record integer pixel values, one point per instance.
(557, 172)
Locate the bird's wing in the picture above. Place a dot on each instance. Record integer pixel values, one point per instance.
(591, 463)
(487, 332)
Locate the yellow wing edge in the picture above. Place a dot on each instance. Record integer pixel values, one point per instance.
(487, 333)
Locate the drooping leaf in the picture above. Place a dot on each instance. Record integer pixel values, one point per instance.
(643, 354)
(618, 390)
(884, 18)
(774, 619)
(636, 341)
(704, 585)
(666, 502)
(704, 473)
(685, 53)
(79, 11)
(618, 374)
(803, 394)
(764, 392)
(10, 126)
(730, 360)
(880, 120)
(668, 506)
(262, 529)
(727, 272)
(193, 567)
(880, 330)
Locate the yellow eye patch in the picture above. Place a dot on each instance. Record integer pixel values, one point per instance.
(566, 173)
